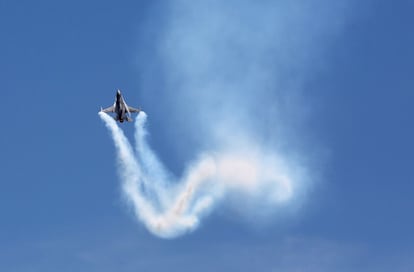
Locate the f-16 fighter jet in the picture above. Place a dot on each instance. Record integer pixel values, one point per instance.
(121, 109)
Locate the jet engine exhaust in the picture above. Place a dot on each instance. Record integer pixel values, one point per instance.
(171, 207)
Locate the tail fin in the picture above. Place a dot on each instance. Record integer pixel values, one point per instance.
(129, 119)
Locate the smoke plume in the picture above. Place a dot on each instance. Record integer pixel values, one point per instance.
(224, 80)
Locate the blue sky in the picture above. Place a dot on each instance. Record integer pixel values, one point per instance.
(328, 83)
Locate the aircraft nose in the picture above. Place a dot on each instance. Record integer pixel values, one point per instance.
(118, 92)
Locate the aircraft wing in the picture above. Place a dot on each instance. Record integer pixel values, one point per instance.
(131, 109)
(109, 109)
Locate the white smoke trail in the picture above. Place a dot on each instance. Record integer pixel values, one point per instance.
(169, 208)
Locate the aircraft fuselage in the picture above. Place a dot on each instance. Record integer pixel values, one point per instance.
(120, 108)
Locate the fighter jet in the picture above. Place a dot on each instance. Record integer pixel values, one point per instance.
(121, 109)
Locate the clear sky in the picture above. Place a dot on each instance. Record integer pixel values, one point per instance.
(327, 86)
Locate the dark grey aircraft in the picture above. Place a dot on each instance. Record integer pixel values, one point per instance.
(121, 109)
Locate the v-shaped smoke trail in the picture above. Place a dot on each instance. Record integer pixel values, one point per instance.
(169, 208)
